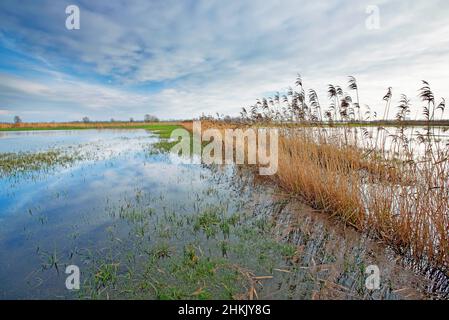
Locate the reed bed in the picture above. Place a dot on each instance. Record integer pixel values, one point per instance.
(390, 182)
(411, 213)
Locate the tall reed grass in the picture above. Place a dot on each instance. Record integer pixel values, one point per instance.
(390, 182)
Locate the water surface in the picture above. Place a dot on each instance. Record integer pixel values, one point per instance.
(142, 224)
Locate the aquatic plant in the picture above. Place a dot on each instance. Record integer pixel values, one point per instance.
(15, 163)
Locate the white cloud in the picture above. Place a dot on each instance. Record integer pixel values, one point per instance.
(219, 56)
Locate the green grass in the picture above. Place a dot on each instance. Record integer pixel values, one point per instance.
(163, 146)
(164, 131)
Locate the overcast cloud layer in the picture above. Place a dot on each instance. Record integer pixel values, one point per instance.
(179, 59)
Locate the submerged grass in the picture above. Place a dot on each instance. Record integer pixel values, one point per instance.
(16, 163)
(165, 144)
(214, 253)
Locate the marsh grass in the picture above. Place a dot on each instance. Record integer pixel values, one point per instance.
(165, 144)
(22, 162)
(163, 131)
(393, 191)
(162, 146)
(220, 246)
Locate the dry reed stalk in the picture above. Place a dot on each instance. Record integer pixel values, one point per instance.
(404, 203)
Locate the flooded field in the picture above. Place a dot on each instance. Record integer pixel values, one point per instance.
(140, 223)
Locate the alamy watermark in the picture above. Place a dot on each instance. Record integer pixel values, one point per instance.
(72, 282)
(372, 22)
(372, 282)
(72, 22)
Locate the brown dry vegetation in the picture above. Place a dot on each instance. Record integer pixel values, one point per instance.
(404, 202)
(392, 191)
(411, 213)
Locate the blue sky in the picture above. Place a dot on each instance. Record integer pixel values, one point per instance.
(178, 59)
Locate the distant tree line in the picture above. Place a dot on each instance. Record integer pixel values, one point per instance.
(147, 118)
(150, 118)
(17, 120)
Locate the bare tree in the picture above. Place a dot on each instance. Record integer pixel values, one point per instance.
(150, 118)
(86, 119)
(17, 120)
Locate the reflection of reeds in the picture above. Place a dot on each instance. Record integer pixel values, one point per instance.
(392, 190)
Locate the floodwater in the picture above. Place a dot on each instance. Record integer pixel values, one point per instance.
(139, 223)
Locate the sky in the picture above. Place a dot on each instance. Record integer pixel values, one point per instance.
(180, 59)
